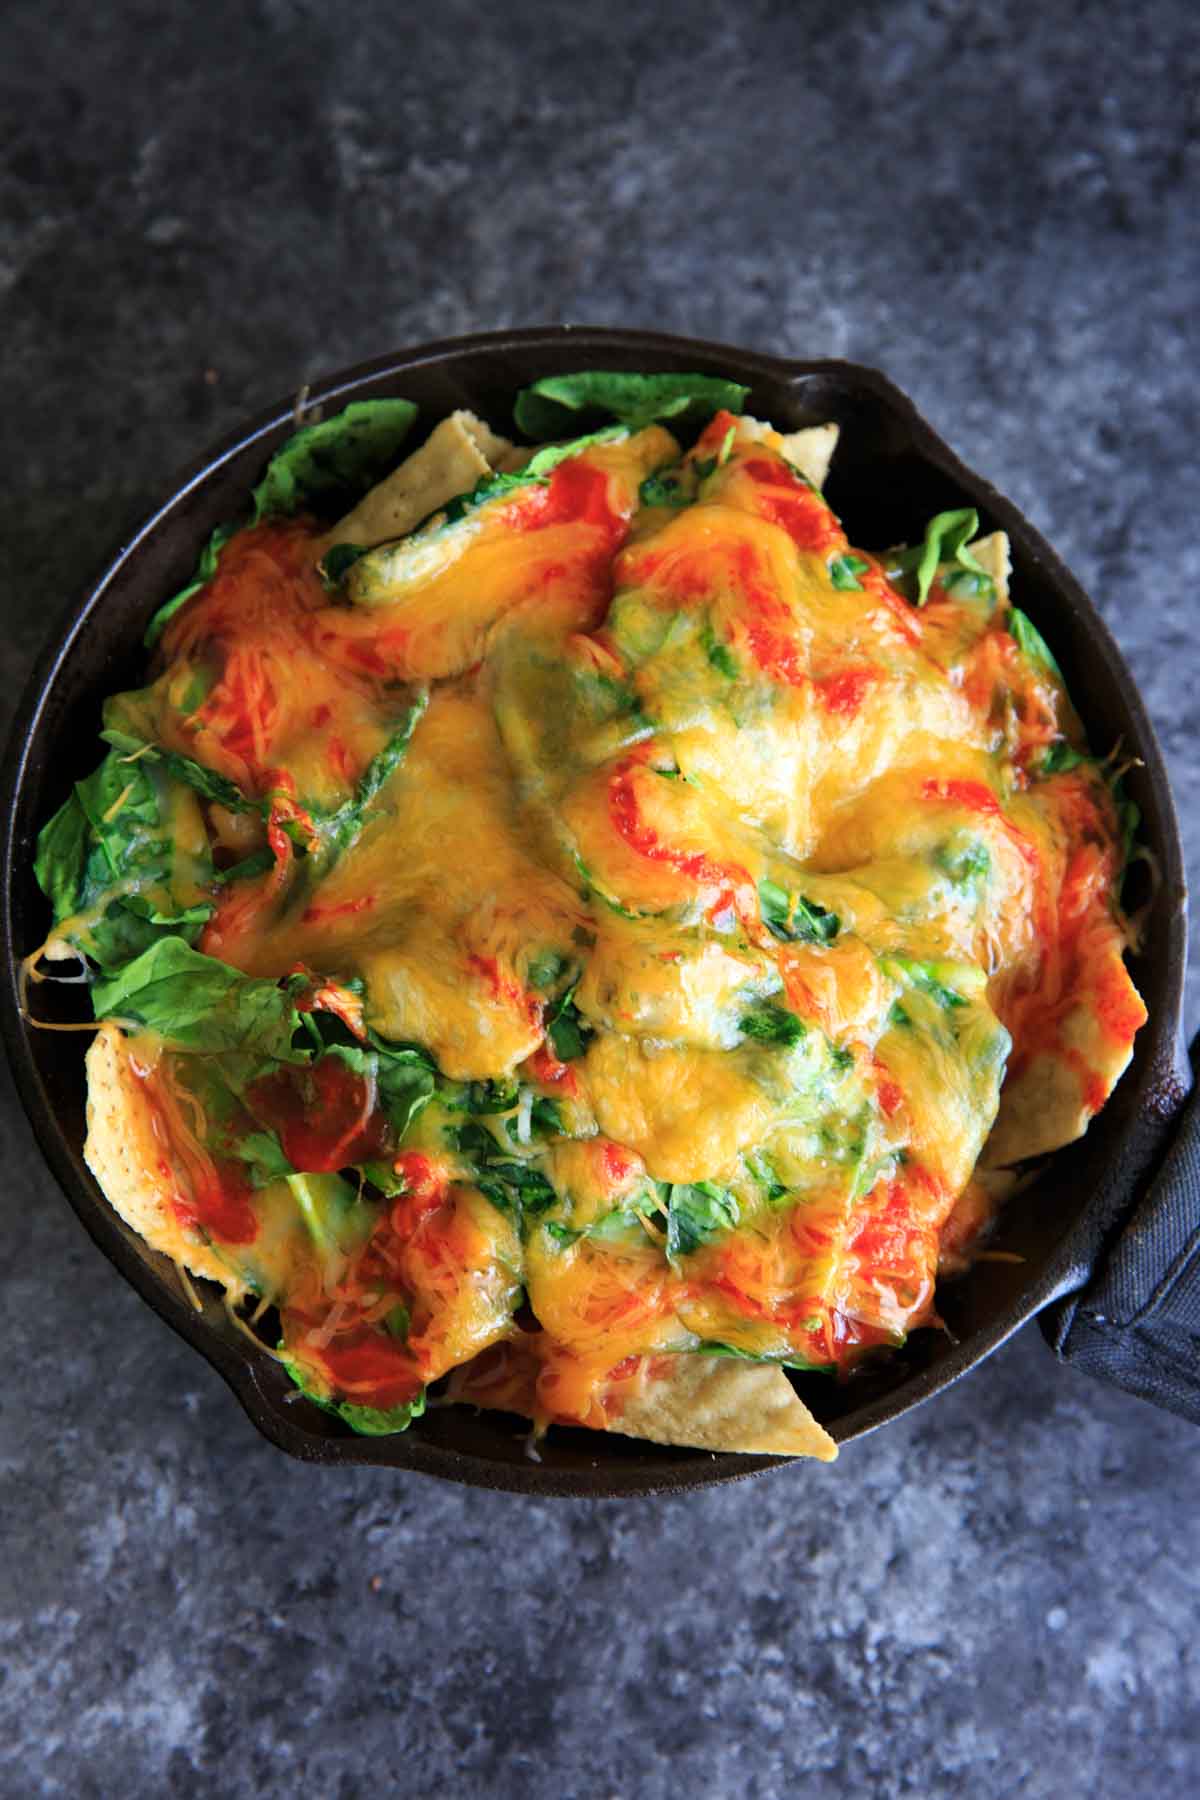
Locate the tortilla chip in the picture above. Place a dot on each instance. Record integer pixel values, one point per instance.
(722, 1403)
(126, 1157)
(502, 1378)
(993, 555)
(460, 452)
(515, 457)
(1040, 1110)
(811, 450)
(1049, 1104)
(1053, 1099)
(694, 1400)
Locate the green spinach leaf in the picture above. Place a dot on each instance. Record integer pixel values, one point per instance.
(404, 1074)
(761, 1172)
(1129, 819)
(196, 1003)
(206, 568)
(336, 563)
(368, 1421)
(783, 1361)
(549, 408)
(664, 490)
(719, 654)
(945, 541)
(262, 1153)
(112, 838)
(347, 453)
(795, 919)
(1032, 642)
(406, 1083)
(566, 1027)
(925, 978)
(490, 1097)
(250, 866)
(398, 1322)
(545, 1120)
(339, 829)
(515, 1188)
(969, 584)
(773, 1025)
(844, 572)
(1060, 758)
(697, 1211)
(206, 782)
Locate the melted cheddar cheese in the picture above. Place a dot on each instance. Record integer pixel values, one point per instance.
(720, 902)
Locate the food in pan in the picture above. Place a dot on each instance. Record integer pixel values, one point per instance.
(577, 934)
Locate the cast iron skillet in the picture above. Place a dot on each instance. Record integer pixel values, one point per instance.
(890, 474)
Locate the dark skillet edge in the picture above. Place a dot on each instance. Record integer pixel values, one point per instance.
(1153, 1078)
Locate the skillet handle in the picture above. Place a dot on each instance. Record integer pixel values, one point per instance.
(1135, 1321)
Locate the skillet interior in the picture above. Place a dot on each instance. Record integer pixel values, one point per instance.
(890, 474)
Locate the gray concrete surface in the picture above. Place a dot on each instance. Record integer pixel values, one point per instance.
(199, 209)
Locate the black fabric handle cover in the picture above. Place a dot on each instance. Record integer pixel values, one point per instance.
(1136, 1322)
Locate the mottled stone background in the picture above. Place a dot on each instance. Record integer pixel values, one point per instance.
(201, 207)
